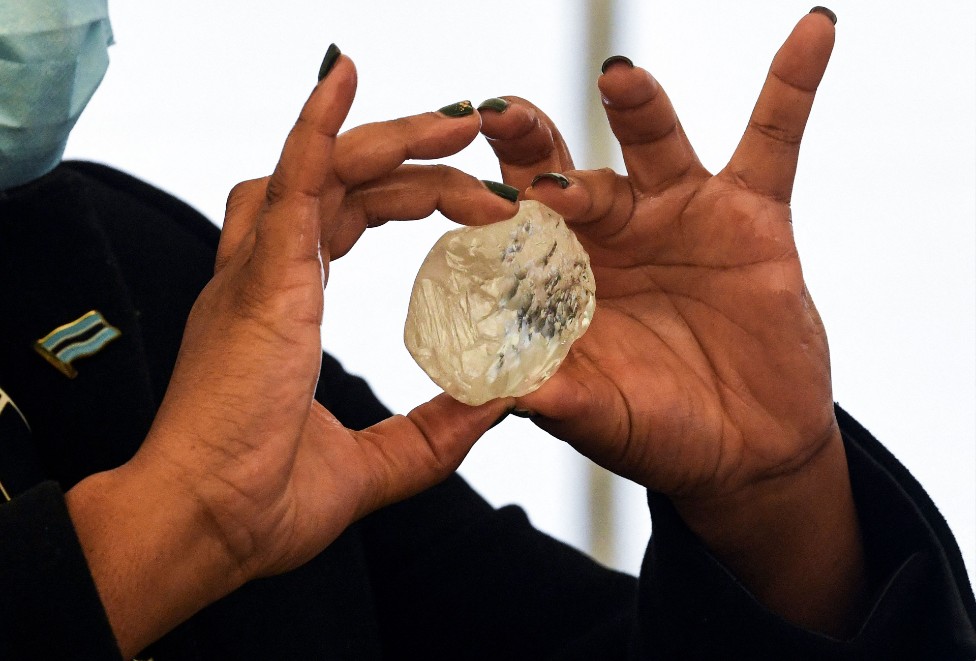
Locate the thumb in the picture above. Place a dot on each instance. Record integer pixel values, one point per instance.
(422, 448)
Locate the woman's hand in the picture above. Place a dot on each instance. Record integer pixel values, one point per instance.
(705, 373)
(243, 474)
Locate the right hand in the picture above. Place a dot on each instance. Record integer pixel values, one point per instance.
(705, 374)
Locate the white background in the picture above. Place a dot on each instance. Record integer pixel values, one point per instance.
(201, 94)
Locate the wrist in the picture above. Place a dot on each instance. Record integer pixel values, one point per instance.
(146, 544)
(794, 540)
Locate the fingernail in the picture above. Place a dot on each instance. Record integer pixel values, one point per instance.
(826, 12)
(331, 57)
(613, 59)
(496, 104)
(522, 413)
(459, 109)
(510, 193)
(554, 176)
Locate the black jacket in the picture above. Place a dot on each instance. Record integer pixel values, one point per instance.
(442, 575)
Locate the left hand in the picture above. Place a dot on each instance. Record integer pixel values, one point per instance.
(705, 373)
(243, 474)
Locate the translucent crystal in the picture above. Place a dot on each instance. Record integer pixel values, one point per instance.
(494, 309)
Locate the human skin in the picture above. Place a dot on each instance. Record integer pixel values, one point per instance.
(243, 474)
(705, 373)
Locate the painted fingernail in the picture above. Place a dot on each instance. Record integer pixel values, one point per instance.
(459, 109)
(826, 12)
(613, 59)
(522, 413)
(331, 57)
(510, 193)
(496, 104)
(554, 176)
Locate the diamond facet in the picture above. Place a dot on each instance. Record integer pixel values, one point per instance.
(495, 309)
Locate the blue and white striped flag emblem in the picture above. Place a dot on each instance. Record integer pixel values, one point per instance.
(82, 337)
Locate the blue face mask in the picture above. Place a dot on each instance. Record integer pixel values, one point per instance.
(53, 55)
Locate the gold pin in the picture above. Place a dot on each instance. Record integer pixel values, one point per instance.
(85, 336)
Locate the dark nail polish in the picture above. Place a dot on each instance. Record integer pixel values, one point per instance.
(522, 413)
(826, 12)
(510, 193)
(554, 176)
(459, 109)
(613, 59)
(496, 104)
(331, 57)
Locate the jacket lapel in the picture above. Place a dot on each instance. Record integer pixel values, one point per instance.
(60, 288)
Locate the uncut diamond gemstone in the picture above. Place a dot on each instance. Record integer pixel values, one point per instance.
(494, 309)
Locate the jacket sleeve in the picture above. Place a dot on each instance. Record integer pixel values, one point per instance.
(691, 607)
(455, 578)
(49, 608)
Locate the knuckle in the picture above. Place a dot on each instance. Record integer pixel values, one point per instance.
(777, 133)
(241, 193)
(275, 191)
(402, 123)
(442, 173)
(652, 134)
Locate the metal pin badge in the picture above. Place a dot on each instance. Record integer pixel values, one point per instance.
(82, 337)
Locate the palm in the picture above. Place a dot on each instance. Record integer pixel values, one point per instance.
(706, 365)
(279, 476)
(693, 340)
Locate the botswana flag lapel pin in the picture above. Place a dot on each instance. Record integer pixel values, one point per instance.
(85, 336)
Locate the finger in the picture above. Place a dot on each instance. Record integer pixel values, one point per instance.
(243, 205)
(373, 150)
(524, 139)
(766, 157)
(556, 406)
(288, 231)
(412, 192)
(655, 148)
(596, 204)
(423, 447)
(306, 161)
